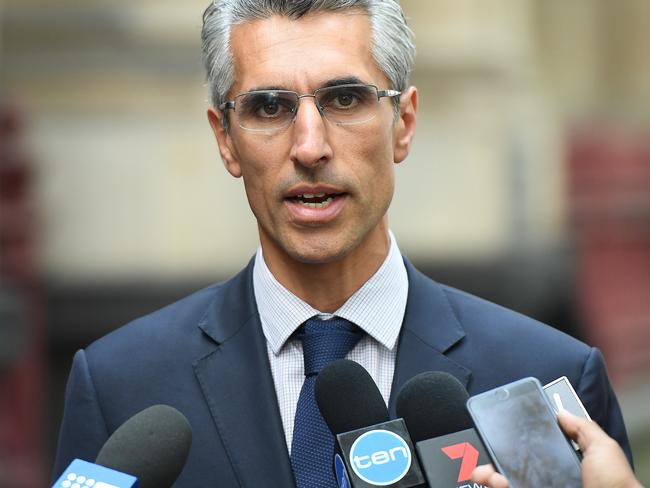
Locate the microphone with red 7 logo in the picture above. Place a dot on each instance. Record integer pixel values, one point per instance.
(433, 406)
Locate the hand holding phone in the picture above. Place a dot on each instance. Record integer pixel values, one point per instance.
(519, 429)
(604, 464)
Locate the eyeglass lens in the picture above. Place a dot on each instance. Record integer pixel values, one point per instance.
(274, 109)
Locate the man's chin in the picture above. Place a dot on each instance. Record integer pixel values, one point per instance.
(318, 257)
(327, 247)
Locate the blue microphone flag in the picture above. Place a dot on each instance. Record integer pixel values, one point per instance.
(82, 474)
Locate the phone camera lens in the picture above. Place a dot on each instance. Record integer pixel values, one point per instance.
(502, 394)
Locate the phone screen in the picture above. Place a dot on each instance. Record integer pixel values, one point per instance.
(523, 437)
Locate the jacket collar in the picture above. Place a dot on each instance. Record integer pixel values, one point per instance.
(236, 381)
(430, 329)
(248, 418)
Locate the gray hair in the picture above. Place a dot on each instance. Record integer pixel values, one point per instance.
(392, 44)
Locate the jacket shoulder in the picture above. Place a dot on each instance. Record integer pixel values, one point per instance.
(168, 322)
(494, 323)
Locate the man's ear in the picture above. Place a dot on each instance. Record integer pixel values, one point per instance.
(405, 125)
(225, 142)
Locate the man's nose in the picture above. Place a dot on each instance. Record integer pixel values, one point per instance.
(310, 144)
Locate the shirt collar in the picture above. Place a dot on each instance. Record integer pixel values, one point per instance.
(377, 307)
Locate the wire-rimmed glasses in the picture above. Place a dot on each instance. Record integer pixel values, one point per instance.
(273, 110)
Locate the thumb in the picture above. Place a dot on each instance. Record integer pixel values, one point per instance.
(583, 431)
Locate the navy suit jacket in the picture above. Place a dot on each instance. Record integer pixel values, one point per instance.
(206, 356)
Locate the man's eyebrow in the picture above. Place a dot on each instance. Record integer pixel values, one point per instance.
(268, 87)
(345, 80)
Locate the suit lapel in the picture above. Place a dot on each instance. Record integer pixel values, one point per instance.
(430, 329)
(236, 380)
(237, 384)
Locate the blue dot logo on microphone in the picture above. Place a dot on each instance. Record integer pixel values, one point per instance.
(341, 474)
(380, 457)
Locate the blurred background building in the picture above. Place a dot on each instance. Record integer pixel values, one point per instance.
(528, 183)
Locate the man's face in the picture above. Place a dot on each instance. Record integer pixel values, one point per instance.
(348, 169)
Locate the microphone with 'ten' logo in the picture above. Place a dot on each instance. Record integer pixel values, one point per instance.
(433, 406)
(372, 450)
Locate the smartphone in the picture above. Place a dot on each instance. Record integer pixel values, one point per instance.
(520, 431)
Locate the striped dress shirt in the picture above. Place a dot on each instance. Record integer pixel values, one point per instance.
(377, 308)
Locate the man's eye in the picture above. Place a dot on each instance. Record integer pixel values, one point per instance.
(346, 99)
(265, 107)
(269, 109)
(343, 100)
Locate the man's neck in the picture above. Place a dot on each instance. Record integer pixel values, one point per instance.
(327, 286)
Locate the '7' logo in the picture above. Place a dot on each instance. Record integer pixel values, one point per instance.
(468, 453)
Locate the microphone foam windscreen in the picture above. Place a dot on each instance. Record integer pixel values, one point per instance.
(152, 445)
(433, 404)
(348, 398)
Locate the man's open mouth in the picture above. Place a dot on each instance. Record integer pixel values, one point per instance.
(314, 200)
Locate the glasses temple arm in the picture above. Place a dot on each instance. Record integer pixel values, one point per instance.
(388, 93)
(227, 105)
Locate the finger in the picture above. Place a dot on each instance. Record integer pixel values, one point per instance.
(583, 431)
(568, 423)
(482, 473)
(486, 475)
(497, 480)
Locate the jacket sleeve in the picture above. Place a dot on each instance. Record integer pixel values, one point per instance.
(83, 429)
(595, 391)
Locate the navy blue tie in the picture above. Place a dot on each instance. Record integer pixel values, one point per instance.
(312, 448)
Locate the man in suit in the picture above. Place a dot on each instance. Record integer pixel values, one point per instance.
(311, 106)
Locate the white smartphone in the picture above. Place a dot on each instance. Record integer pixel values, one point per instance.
(520, 431)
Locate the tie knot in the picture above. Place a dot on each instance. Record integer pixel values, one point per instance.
(324, 341)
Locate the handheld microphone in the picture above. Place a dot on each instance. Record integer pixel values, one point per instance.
(148, 451)
(372, 450)
(433, 407)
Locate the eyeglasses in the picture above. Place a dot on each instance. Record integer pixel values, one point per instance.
(273, 110)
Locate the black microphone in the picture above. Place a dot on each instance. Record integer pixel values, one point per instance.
(433, 407)
(151, 446)
(372, 450)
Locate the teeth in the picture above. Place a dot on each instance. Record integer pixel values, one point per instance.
(318, 205)
(311, 195)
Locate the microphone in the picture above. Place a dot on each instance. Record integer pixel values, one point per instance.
(433, 407)
(372, 450)
(148, 451)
